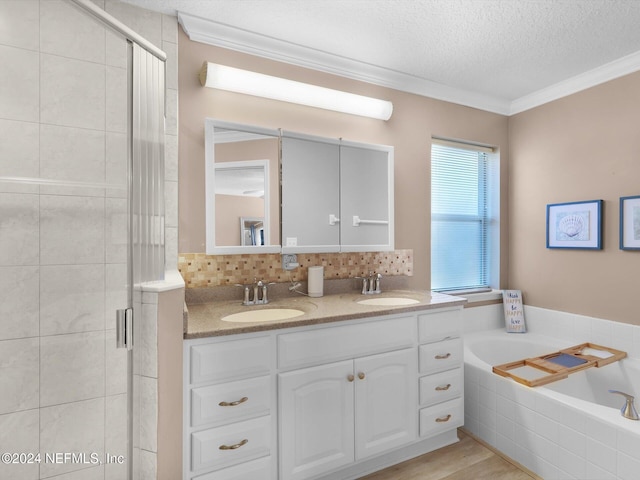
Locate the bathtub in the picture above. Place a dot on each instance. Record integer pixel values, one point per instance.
(569, 429)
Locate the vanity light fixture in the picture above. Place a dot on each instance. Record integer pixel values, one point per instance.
(236, 80)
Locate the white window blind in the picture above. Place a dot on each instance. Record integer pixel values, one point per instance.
(459, 217)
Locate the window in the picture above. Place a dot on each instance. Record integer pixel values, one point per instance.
(464, 217)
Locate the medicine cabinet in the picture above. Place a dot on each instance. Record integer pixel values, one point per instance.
(336, 195)
(269, 191)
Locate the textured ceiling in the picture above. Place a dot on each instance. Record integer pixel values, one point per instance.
(502, 49)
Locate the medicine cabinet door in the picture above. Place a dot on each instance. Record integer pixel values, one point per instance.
(310, 194)
(366, 197)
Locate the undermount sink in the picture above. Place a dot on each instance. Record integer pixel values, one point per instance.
(263, 315)
(389, 301)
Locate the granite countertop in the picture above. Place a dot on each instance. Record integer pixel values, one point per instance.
(204, 318)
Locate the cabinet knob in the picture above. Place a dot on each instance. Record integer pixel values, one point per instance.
(233, 404)
(350, 377)
(443, 419)
(233, 447)
(441, 388)
(361, 375)
(442, 356)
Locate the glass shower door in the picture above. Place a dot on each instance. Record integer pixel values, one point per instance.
(64, 242)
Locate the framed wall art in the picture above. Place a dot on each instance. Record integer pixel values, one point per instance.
(575, 225)
(630, 223)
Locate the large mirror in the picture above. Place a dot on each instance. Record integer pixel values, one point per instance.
(242, 185)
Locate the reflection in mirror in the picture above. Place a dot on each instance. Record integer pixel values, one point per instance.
(239, 193)
(252, 231)
(241, 188)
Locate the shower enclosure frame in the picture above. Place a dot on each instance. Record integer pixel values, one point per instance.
(145, 183)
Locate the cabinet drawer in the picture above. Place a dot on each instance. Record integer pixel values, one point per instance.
(436, 357)
(230, 360)
(437, 326)
(244, 441)
(440, 387)
(327, 345)
(227, 402)
(442, 417)
(255, 470)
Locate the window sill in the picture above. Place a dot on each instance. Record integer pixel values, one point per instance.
(493, 295)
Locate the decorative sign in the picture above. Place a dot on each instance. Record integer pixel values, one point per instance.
(513, 311)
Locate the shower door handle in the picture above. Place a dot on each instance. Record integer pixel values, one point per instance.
(124, 328)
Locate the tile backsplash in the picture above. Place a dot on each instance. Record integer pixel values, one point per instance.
(201, 270)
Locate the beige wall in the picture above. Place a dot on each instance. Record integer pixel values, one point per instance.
(414, 121)
(582, 147)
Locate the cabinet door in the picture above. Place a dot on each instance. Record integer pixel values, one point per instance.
(316, 420)
(366, 198)
(310, 195)
(386, 401)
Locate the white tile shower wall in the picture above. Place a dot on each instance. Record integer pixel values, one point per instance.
(62, 264)
(550, 439)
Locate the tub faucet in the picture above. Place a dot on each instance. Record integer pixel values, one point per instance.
(628, 410)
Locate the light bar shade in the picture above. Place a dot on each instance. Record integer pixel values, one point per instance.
(251, 83)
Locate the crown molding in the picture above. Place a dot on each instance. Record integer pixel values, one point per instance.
(220, 35)
(225, 36)
(607, 72)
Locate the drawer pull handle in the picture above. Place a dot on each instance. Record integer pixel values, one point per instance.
(439, 419)
(442, 356)
(234, 404)
(361, 375)
(233, 447)
(441, 388)
(350, 378)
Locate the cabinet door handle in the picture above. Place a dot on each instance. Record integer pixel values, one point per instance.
(361, 375)
(233, 447)
(441, 388)
(351, 378)
(443, 419)
(233, 404)
(442, 356)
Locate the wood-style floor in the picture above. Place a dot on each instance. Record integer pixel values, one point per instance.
(465, 460)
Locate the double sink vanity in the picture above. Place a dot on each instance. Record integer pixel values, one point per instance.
(349, 385)
(334, 387)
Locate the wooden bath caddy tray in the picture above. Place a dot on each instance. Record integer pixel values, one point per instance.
(559, 365)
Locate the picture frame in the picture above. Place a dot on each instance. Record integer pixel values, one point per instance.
(575, 225)
(630, 223)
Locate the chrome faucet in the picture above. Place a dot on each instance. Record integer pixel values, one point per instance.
(371, 284)
(628, 410)
(259, 293)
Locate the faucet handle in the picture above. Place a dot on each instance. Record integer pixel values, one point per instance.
(245, 300)
(377, 278)
(628, 410)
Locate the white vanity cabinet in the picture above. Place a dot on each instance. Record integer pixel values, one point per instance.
(333, 415)
(334, 400)
(441, 371)
(229, 428)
